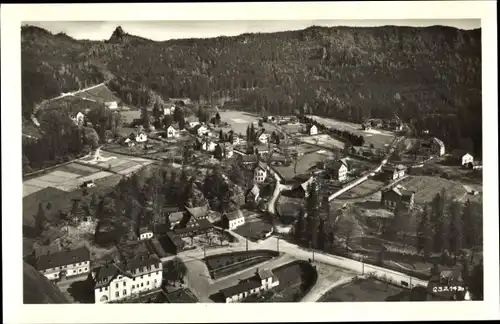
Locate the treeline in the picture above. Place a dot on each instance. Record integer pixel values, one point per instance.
(351, 138)
(342, 72)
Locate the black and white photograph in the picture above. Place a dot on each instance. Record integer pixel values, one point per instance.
(250, 161)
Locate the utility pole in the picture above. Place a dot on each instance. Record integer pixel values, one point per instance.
(278, 245)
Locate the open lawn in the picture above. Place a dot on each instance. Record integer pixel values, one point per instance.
(426, 187)
(379, 138)
(323, 140)
(305, 164)
(364, 190)
(238, 120)
(254, 230)
(129, 116)
(361, 290)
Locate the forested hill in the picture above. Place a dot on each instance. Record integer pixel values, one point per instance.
(430, 76)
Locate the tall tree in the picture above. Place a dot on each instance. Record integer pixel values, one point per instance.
(40, 219)
(146, 122)
(312, 206)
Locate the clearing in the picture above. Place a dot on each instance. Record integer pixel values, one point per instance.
(426, 187)
(361, 290)
(323, 140)
(305, 164)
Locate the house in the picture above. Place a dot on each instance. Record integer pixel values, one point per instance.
(390, 172)
(338, 170)
(198, 213)
(194, 228)
(208, 145)
(366, 127)
(432, 146)
(236, 140)
(248, 159)
(64, 264)
(145, 233)
(128, 142)
(392, 196)
(233, 219)
(264, 138)
(141, 138)
(176, 218)
(192, 121)
(312, 130)
(87, 184)
(262, 281)
(130, 277)
(462, 157)
(202, 130)
(261, 149)
(174, 242)
(252, 194)
(78, 119)
(113, 105)
(259, 174)
(172, 132)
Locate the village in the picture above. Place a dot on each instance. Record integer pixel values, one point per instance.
(249, 180)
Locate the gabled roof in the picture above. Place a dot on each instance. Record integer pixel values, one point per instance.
(337, 164)
(237, 214)
(175, 239)
(400, 191)
(176, 217)
(61, 258)
(438, 141)
(197, 211)
(243, 286)
(264, 273)
(255, 190)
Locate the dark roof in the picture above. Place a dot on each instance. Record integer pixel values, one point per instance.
(234, 215)
(249, 158)
(264, 273)
(278, 158)
(242, 287)
(262, 148)
(336, 165)
(182, 296)
(62, 258)
(392, 168)
(175, 239)
(202, 224)
(104, 274)
(145, 229)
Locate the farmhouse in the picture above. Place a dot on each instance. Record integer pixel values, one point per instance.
(312, 130)
(259, 174)
(462, 157)
(145, 233)
(393, 172)
(128, 278)
(338, 169)
(391, 197)
(262, 281)
(233, 219)
(64, 264)
(198, 213)
(432, 145)
(194, 227)
(174, 242)
(172, 132)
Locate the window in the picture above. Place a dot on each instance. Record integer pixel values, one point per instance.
(149, 275)
(124, 283)
(147, 283)
(133, 279)
(142, 284)
(55, 274)
(133, 286)
(106, 289)
(86, 269)
(157, 272)
(100, 289)
(117, 294)
(142, 277)
(79, 270)
(124, 292)
(116, 285)
(155, 281)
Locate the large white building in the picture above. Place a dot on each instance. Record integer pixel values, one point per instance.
(172, 132)
(259, 174)
(118, 281)
(462, 157)
(234, 219)
(63, 264)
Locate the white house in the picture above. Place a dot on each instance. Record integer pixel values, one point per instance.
(236, 140)
(264, 138)
(202, 130)
(339, 170)
(111, 105)
(64, 264)
(117, 281)
(259, 174)
(234, 219)
(78, 119)
(262, 281)
(462, 157)
(208, 146)
(432, 146)
(141, 138)
(145, 233)
(129, 142)
(313, 130)
(393, 172)
(172, 132)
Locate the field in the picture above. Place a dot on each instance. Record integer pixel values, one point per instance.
(238, 120)
(426, 187)
(323, 140)
(361, 290)
(364, 190)
(255, 230)
(117, 163)
(305, 164)
(379, 138)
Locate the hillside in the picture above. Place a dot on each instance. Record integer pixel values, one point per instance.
(38, 290)
(429, 76)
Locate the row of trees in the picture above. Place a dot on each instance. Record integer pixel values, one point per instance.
(351, 138)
